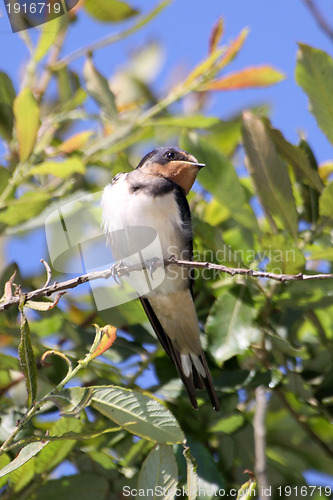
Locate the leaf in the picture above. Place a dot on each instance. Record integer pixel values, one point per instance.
(203, 67)
(26, 112)
(86, 486)
(325, 170)
(269, 174)
(326, 201)
(4, 177)
(192, 478)
(57, 451)
(26, 207)
(75, 142)
(62, 169)
(98, 88)
(192, 121)
(216, 35)
(25, 454)
(70, 402)
(261, 76)
(220, 179)
(4, 460)
(109, 10)
(210, 480)
(27, 359)
(159, 472)
(106, 337)
(229, 324)
(21, 477)
(7, 96)
(47, 37)
(296, 156)
(282, 254)
(234, 48)
(229, 425)
(314, 73)
(137, 413)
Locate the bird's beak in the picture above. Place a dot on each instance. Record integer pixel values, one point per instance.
(194, 164)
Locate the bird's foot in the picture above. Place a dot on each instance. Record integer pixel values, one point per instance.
(152, 265)
(117, 271)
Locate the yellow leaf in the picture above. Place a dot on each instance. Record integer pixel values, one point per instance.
(77, 141)
(261, 76)
(62, 169)
(325, 170)
(108, 336)
(26, 112)
(203, 67)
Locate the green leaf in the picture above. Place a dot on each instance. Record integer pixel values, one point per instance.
(326, 201)
(295, 156)
(159, 471)
(98, 88)
(314, 73)
(269, 174)
(62, 169)
(209, 476)
(137, 413)
(26, 207)
(220, 179)
(7, 96)
(48, 35)
(194, 121)
(27, 359)
(109, 10)
(229, 324)
(8, 362)
(26, 112)
(192, 478)
(20, 478)
(4, 178)
(284, 257)
(72, 401)
(229, 425)
(25, 454)
(85, 486)
(57, 451)
(4, 460)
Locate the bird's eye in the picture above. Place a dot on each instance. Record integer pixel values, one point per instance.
(170, 155)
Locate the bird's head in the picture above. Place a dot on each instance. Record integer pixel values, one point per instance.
(173, 164)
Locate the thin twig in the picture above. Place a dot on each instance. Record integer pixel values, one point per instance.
(260, 441)
(48, 272)
(303, 423)
(46, 291)
(320, 19)
(108, 40)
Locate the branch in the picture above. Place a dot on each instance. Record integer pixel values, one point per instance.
(260, 440)
(320, 19)
(121, 270)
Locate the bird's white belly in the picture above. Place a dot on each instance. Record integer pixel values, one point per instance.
(133, 213)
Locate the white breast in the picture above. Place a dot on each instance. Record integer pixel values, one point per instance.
(125, 210)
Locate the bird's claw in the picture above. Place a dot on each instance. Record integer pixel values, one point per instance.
(117, 271)
(153, 264)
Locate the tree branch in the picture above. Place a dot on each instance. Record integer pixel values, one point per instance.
(320, 19)
(260, 441)
(121, 270)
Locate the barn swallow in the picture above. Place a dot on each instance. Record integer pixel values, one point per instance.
(154, 195)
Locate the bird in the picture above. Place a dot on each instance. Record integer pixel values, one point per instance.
(153, 196)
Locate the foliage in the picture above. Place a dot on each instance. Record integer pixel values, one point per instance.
(263, 333)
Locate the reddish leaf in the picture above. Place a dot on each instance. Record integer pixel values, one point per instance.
(234, 48)
(216, 35)
(108, 336)
(261, 76)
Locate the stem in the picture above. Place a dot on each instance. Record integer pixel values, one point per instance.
(260, 440)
